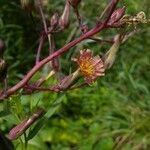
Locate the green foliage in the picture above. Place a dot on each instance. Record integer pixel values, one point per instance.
(111, 114)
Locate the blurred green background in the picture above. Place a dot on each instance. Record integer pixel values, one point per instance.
(114, 113)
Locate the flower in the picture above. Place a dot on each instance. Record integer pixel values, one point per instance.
(90, 66)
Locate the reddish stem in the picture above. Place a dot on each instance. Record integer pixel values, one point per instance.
(49, 58)
(100, 26)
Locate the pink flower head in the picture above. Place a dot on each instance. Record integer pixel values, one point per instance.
(90, 66)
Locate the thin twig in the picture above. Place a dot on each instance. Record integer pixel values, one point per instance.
(41, 42)
(44, 24)
(78, 16)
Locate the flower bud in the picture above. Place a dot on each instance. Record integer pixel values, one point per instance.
(25, 124)
(3, 71)
(74, 3)
(3, 66)
(2, 48)
(28, 5)
(54, 21)
(64, 19)
(66, 82)
(116, 16)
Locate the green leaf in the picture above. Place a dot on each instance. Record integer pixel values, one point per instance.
(36, 128)
(16, 106)
(46, 117)
(104, 144)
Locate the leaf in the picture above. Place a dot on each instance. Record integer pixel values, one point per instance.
(36, 128)
(104, 144)
(46, 117)
(15, 106)
(4, 113)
